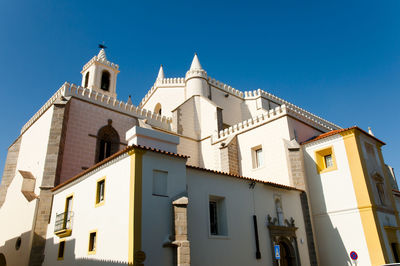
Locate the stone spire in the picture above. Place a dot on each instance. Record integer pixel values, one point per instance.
(161, 75)
(102, 54)
(195, 63)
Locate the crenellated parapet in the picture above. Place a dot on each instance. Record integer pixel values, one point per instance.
(222, 86)
(248, 95)
(250, 123)
(166, 82)
(101, 59)
(72, 90)
(267, 117)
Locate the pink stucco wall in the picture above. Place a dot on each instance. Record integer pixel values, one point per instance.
(80, 148)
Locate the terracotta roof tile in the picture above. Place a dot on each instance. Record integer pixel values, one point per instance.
(334, 132)
(244, 177)
(127, 149)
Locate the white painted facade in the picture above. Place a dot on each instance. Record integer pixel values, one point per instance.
(253, 134)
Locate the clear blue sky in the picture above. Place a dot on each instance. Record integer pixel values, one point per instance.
(337, 59)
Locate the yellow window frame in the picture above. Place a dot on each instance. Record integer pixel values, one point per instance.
(92, 252)
(320, 160)
(99, 203)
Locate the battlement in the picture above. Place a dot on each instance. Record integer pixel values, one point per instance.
(250, 123)
(218, 84)
(295, 109)
(101, 60)
(167, 82)
(86, 94)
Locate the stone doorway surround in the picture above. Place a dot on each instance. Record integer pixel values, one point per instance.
(284, 234)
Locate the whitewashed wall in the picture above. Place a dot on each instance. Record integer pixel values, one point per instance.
(16, 214)
(334, 207)
(238, 247)
(111, 220)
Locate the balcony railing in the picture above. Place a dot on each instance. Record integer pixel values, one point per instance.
(63, 224)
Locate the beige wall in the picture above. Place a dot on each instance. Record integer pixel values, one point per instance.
(17, 214)
(168, 97)
(271, 137)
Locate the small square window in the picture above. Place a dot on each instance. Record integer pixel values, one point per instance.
(100, 191)
(92, 242)
(325, 160)
(61, 248)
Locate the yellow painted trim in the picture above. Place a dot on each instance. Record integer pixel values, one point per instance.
(72, 201)
(98, 203)
(58, 253)
(63, 233)
(364, 196)
(320, 160)
(135, 203)
(95, 243)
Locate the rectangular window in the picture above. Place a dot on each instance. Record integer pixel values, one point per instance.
(325, 160)
(100, 191)
(61, 248)
(92, 242)
(328, 160)
(213, 218)
(217, 216)
(160, 183)
(257, 156)
(68, 212)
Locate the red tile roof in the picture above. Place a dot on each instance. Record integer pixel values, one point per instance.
(334, 132)
(127, 149)
(244, 177)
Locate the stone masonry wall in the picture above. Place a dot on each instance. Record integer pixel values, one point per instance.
(9, 169)
(51, 174)
(229, 157)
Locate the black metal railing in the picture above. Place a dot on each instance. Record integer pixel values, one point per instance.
(63, 221)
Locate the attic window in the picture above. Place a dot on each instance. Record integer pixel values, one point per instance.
(105, 81)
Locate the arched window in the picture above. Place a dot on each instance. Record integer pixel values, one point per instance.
(157, 109)
(86, 80)
(105, 81)
(107, 142)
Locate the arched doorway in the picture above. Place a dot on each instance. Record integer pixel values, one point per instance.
(287, 256)
(3, 260)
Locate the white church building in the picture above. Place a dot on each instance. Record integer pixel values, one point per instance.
(199, 173)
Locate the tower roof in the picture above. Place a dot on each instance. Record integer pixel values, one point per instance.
(195, 63)
(102, 54)
(161, 73)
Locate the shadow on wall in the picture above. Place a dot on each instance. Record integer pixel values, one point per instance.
(335, 251)
(15, 251)
(69, 257)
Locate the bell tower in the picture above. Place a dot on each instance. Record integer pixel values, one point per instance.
(100, 75)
